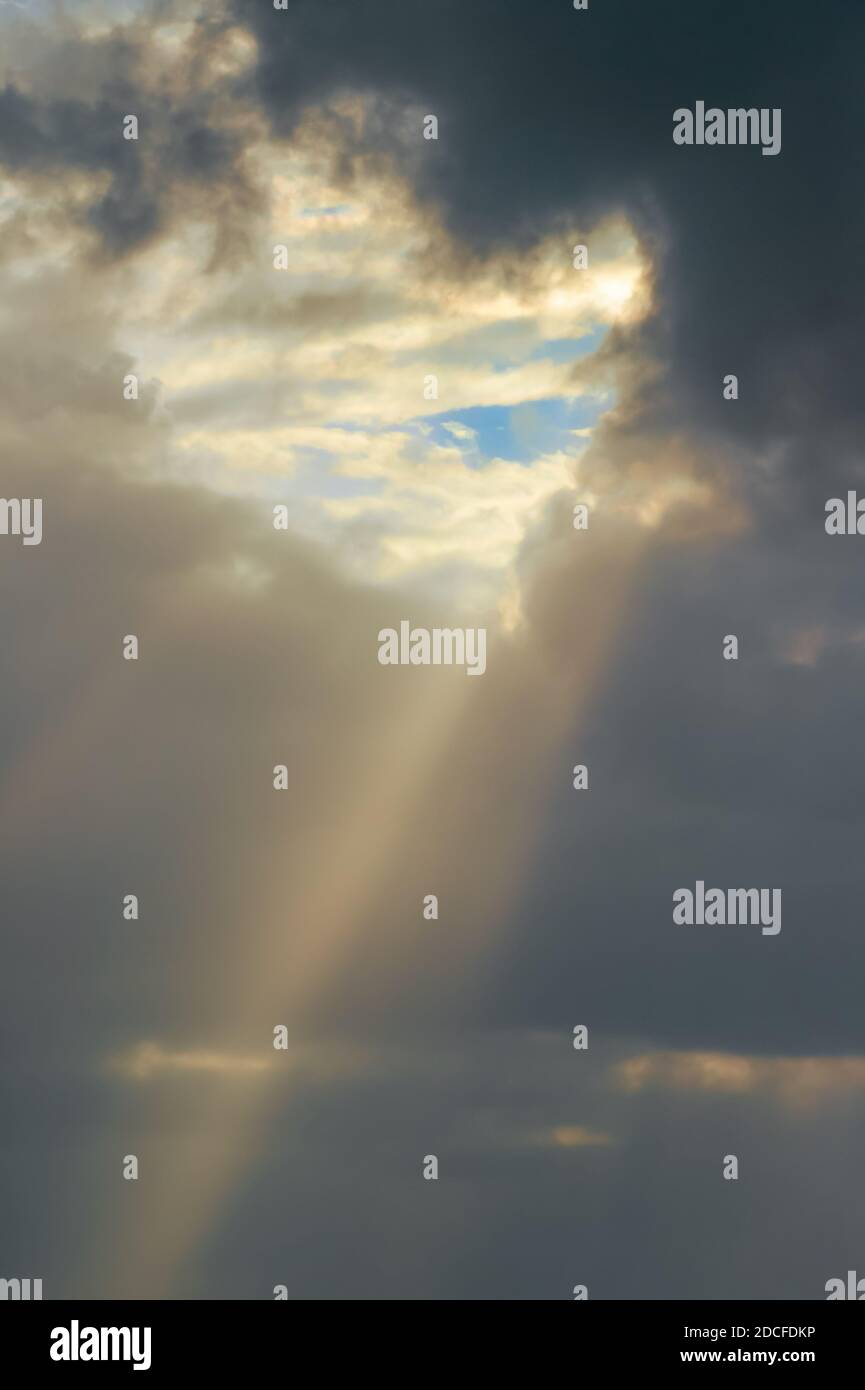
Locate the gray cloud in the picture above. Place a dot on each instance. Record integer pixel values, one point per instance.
(62, 114)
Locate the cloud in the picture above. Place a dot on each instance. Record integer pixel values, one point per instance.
(574, 120)
(149, 1059)
(459, 431)
(63, 114)
(311, 387)
(577, 1137)
(795, 1081)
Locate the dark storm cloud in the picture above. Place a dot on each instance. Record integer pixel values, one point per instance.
(548, 116)
(738, 773)
(647, 1219)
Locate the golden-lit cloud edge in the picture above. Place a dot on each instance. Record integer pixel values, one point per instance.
(793, 1081)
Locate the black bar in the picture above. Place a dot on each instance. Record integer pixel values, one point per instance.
(213, 1339)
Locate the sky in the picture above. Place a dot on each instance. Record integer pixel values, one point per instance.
(387, 337)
